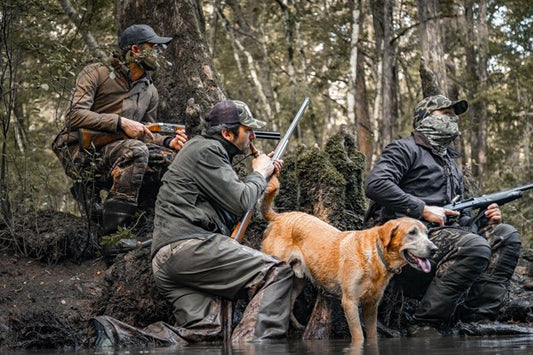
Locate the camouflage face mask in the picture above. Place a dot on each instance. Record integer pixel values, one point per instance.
(441, 130)
(149, 58)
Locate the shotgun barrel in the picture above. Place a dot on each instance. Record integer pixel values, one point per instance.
(240, 228)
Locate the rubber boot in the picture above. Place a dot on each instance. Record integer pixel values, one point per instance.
(117, 213)
(88, 196)
(484, 300)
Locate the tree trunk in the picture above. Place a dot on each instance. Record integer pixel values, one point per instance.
(10, 60)
(192, 74)
(476, 54)
(365, 138)
(382, 11)
(352, 78)
(431, 40)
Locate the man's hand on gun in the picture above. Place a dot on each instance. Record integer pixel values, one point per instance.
(135, 130)
(277, 165)
(178, 141)
(264, 165)
(493, 214)
(437, 215)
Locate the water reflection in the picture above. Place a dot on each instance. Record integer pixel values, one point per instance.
(434, 346)
(438, 346)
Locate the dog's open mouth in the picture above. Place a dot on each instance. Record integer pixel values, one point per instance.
(418, 263)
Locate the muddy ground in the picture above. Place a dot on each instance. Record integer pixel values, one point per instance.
(53, 279)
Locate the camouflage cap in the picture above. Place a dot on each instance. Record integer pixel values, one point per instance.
(431, 103)
(233, 111)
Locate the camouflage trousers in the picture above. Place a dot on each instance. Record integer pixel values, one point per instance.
(197, 275)
(123, 167)
(470, 275)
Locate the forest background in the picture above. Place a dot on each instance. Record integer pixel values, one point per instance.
(357, 60)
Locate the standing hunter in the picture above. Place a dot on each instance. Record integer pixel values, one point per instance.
(119, 97)
(417, 175)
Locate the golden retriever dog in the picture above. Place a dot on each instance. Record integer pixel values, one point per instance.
(354, 266)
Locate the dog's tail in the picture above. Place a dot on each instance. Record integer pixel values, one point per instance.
(268, 198)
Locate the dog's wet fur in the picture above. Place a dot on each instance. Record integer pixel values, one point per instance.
(347, 264)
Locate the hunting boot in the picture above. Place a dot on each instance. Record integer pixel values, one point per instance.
(88, 196)
(117, 213)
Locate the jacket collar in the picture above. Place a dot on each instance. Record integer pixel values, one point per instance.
(230, 148)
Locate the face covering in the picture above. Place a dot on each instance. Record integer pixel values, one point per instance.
(440, 130)
(148, 59)
(150, 62)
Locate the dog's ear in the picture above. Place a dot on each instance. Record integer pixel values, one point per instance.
(387, 232)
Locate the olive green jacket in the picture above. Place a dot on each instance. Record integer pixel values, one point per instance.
(202, 194)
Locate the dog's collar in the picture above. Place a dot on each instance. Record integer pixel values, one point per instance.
(382, 258)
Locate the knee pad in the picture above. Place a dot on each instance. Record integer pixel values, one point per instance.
(507, 234)
(138, 151)
(474, 244)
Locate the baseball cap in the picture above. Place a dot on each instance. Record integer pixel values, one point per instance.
(137, 34)
(431, 103)
(233, 111)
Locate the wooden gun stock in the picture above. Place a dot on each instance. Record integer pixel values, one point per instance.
(89, 138)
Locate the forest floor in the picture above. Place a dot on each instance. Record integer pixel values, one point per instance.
(55, 301)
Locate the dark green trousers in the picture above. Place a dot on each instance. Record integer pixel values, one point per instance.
(196, 275)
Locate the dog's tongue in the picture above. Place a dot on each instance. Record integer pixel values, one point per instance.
(424, 264)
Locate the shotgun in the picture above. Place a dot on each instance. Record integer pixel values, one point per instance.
(90, 138)
(238, 232)
(482, 202)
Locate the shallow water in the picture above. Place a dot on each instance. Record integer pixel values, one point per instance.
(398, 346)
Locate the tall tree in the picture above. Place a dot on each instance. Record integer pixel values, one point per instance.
(357, 95)
(88, 37)
(476, 63)
(246, 32)
(431, 40)
(385, 108)
(193, 76)
(10, 61)
(352, 79)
